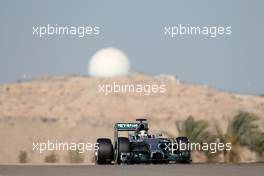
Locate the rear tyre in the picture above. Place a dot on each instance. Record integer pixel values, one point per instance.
(185, 154)
(105, 152)
(123, 147)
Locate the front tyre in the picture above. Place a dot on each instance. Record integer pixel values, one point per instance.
(105, 152)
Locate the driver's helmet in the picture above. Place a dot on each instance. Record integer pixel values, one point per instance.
(142, 134)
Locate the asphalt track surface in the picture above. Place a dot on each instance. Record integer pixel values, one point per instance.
(135, 170)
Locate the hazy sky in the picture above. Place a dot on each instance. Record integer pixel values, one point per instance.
(233, 63)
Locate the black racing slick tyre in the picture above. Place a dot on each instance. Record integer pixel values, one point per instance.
(185, 154)
(123, 147)
(105, 152)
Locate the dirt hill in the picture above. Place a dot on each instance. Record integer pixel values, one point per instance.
(74, 109)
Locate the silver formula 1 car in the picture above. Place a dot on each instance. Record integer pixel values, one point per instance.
(141, 147)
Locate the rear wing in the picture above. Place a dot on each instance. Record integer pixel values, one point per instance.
(127, 127)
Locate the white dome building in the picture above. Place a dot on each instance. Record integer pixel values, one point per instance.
(109, 62)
